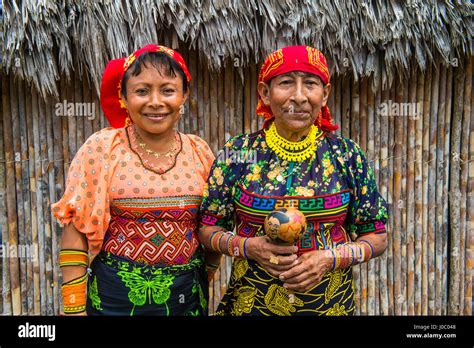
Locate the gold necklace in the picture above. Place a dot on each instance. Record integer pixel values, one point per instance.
(170, 153)
(293, 151)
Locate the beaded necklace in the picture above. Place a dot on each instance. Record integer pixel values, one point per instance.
(170, 153)
(298, 151)
(159, 163)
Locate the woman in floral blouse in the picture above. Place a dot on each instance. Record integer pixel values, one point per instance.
(294, 161)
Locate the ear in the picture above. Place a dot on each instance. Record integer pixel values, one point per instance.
(326, 92)
(264, 92)
(124, 100)
(186, 95)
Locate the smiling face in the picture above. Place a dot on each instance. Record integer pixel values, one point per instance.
(295, 99)
(154, 100)
(272, 226)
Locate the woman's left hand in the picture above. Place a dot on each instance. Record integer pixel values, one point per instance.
(309, 270)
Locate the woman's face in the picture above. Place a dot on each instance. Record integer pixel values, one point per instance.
(154, 100)
(295, 99)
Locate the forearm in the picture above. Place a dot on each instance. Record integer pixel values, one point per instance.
(217, 241)
(72, 239)
(378, 242)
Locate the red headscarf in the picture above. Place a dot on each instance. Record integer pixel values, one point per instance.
(110, 90)
(296, 58)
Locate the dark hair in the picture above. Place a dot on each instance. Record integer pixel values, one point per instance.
(159, 60)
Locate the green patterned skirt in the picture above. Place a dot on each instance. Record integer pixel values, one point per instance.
(117, 286)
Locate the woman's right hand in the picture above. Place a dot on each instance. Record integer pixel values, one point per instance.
(274, 258)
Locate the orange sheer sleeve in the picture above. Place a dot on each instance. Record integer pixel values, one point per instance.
(85, 202)
(203, 155)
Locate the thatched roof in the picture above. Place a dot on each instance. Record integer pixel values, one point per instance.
(42, 38)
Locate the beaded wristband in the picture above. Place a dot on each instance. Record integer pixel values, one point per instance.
(214, 241)
(222, 234)
(342, 258)
(245, 248)
(345, 252)
(350, 254)
(362, 253)
(352, 257)
(242, 241)
(333, 260)
(229, 244)
(238, 247)
(370, 246)
(338, 258)
(235, 247)
(357, 253)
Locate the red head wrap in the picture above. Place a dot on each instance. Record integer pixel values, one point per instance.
(296, 58)
(110, 90)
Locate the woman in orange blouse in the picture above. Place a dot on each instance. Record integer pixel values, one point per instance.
(132, 198)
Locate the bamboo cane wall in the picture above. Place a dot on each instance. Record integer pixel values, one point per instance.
(423, 166)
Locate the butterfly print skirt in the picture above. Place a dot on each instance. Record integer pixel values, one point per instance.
(117, 286)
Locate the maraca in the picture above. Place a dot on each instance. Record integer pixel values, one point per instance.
(285, 226)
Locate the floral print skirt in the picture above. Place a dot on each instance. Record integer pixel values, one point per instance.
(254, 291)
(117, 286)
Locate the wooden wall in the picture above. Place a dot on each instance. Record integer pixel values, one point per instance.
(423, 166)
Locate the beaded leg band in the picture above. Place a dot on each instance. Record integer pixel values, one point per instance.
(229, 244)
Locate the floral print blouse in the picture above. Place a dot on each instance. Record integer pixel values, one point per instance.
(339, 170)
(336, 191)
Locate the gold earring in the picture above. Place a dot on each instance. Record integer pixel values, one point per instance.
(128, 120)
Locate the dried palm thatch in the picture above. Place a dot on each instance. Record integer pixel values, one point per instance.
(41, 37)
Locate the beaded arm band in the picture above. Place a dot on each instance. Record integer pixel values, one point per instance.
(71, 257)
(229, 244)
(350, 254)
(74, 291)
(74, 295)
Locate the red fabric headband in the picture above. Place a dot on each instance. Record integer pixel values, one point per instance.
(110, 90)
(296, 58)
